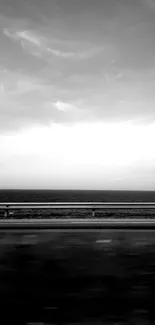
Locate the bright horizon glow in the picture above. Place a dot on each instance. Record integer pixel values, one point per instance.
(84, 156)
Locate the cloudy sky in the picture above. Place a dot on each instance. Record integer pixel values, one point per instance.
(77, 94)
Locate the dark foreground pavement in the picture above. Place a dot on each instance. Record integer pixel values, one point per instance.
(69, 276)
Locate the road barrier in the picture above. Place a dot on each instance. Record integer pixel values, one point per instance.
(93, 222)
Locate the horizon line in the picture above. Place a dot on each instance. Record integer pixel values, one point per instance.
(75, 189)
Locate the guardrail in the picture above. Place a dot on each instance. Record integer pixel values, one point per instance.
(93, 206)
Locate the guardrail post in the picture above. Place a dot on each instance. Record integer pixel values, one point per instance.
(93, 213)
(6, 213)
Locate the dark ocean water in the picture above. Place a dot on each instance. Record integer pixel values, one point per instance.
(75, 195)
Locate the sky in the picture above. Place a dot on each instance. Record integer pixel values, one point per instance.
(77, 94)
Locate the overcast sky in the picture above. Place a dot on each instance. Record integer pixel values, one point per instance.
(77, 94)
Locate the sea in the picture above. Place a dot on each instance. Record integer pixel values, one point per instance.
(75, 196)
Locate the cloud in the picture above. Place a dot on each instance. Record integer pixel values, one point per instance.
(27, 36)
(64, 107)
(40, 46)
(15, 111)
(57, 53)
(65, 86)
(2, 90)
(18, 83)
(27, 100)
(150, 4)
(27, 39)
